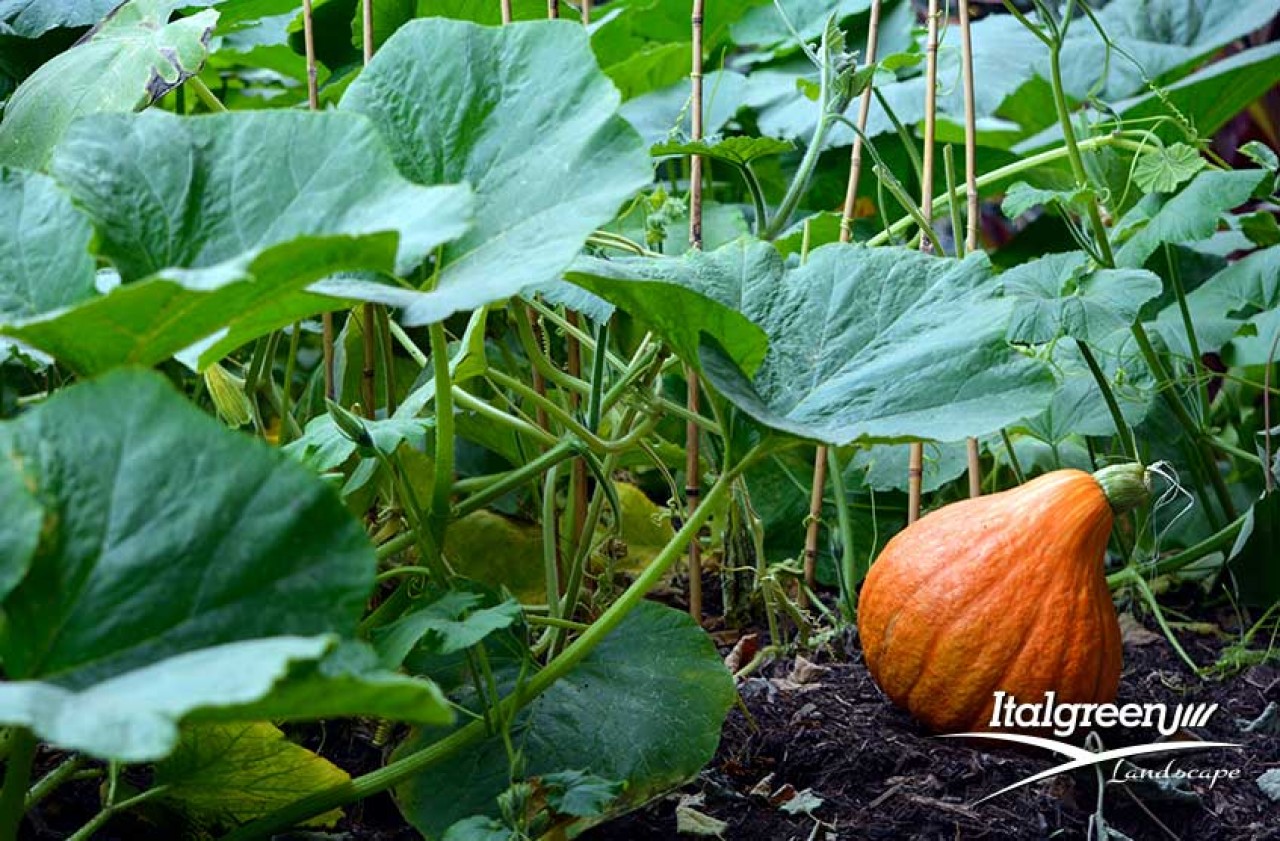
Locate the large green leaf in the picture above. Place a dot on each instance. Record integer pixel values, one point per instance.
(1078, 407)
(33, 18)
(130, 61)
(183, 570)
(549, 162)
(197, 192)
(145, 323)
(645, 707)
(23, 516)
(44, 251)
(1062, 295)
(764, 25)
(686, 297)
(1208, 98)
(652, 67)
(887, 466)
(1224, 303)
(229, 218)
(878, 344)
(1190, 215)
(1162, 36)
(1253, 557)
(146, 553)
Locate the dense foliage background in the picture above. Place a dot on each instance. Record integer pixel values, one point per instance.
(380, 414)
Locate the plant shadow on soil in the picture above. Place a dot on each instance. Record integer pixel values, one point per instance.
(878, 774)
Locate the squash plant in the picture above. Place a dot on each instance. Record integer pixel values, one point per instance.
(453, 311)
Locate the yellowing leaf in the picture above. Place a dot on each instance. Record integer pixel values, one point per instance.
(227, 774)
(643, 529)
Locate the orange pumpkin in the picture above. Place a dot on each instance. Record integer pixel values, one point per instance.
(1003, 592)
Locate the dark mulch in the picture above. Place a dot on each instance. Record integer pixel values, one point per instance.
(880, 776)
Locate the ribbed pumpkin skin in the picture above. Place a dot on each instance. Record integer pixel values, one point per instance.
(1003, 592)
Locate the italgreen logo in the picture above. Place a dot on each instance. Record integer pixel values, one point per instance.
(1064, 719)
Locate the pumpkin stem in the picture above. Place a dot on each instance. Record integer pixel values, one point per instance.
(1126, 485)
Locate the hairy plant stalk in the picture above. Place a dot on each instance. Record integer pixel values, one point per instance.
(971, 195)
(692, 471)
(915, 459)
(814, 522)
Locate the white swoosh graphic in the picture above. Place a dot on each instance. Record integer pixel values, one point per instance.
(1081, 758)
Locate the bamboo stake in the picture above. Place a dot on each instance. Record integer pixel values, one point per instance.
(915, 460)
(367, 10)
(313, 102)
(586, 12)
(692, 471)
(369, 322)
(553, 9)
(846, 235)
(971, 196)
(506, 12)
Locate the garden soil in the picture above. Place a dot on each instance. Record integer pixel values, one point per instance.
(816, 753)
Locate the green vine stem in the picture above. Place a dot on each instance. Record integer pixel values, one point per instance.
(99, 820)
(1193, 341)
(205, 95)
(67, 769)
(470, 402)
(550, 542)
(17, 776)
(996, 176)
(440, 512)
(953, 206)
(1200, 447)
(1131, 576)
(1128, 444)
(388, 352)
(474, 732)
(800, 182)
(1163, 379)
(1217, 541)
(507, 482)
(849, 572)
(286, 387)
